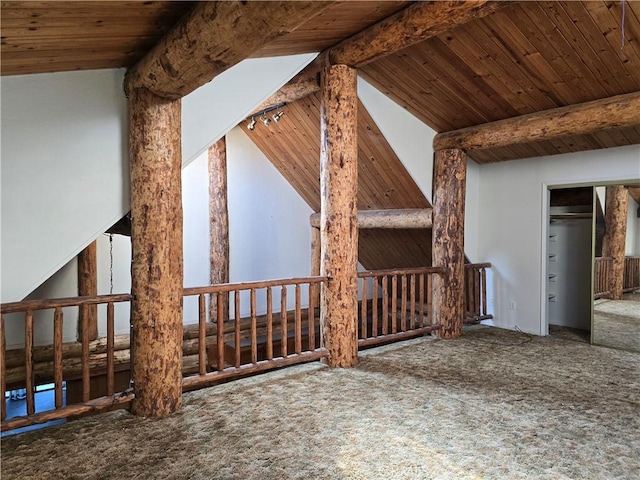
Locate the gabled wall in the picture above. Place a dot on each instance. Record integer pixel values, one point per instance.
(512, 228)
(412, 141)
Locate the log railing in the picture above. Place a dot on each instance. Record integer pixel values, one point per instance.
(475, 294)
(396, 304)
(54, 363)
(269, 341)
(601, 277)
(631, 274)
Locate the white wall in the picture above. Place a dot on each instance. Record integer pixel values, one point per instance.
(632, 244)
(65, 167)
(64, 170)
(512, 227)
(412, 142)
(268, 221)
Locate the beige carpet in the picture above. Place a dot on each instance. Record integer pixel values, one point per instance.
(616, 323)
(492, 405)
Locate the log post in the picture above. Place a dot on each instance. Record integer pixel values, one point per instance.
(449, 179)
(613, 244)
(156, 240)
(88, 286)
(339, 221)
(218, 224)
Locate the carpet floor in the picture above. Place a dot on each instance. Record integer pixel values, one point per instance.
(493, 404)
(616, 323)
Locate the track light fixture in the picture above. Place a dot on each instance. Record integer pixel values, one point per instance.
(262, 116)
(276, 116)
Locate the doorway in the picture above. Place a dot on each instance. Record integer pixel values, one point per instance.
(569, 252)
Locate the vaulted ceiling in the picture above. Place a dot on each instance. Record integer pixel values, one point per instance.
(526, 57)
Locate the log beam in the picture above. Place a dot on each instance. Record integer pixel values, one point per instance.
(614, 241)
(88, 286)
(218, 222)
(581, 119)
(212, 38)
(157, 265)
(339, 221)
(414, 24)
(391, 218)
(449, 180)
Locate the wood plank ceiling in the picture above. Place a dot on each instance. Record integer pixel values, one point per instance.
(54, 36)
(528, 57)
(293, 146)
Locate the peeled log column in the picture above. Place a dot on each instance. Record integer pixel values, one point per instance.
(88, 286)
(218, 222)
(391, 218)
(449, 179)
(156, 272)
(615, 235)
(339, 222)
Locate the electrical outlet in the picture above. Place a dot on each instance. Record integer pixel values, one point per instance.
(512, 304)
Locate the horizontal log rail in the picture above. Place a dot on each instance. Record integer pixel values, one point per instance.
(476, 292)
(395, 305)
(56, 364)
(284, 339)
(631, 274)
(390, 218)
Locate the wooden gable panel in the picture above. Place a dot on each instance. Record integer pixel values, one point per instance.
(528, 57)
(293, 146)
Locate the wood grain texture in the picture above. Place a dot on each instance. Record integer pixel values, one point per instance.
(414, 24)
(52, 36)
(339, 21)
(88, 286)
(449, 183)
(620, 111)
(157, 265)
(409, 218)
(528, 57)
(293, 147)
(212, 38)
(614, 241)
(218, 223)
(339, 223)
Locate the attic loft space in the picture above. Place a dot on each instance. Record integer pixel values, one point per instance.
(395, 226)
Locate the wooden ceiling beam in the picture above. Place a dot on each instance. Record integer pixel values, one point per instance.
(389, 218)
(581, 119)
(212, 38)
(416, 23)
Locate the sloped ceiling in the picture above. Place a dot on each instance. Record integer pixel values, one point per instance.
(293, 146)
(527, 57)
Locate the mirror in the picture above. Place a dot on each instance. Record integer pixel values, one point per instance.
(616, 267)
